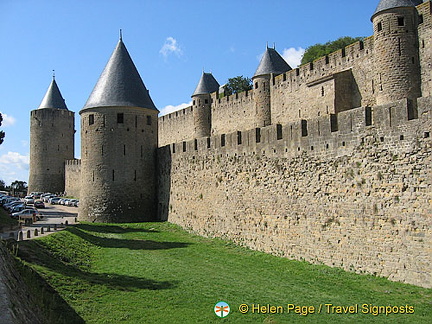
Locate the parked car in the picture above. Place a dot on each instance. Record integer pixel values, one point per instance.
(29, 200)
(39, 204)
(71, 202)
(55, 200)
(26, 213)
(17, 208)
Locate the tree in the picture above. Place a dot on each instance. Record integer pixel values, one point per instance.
(2, 185)
(2, 134)
(319, 50)
(238, 84)
(20, 186)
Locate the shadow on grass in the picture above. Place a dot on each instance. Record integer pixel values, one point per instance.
(113, 229)
(34, 253)
(123, 243)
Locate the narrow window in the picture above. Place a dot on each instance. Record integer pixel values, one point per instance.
(184, 146)
(173, 148)
(135, 175)
(343, 52)
(124, 149)
(311, 66)
(322, 91)
(257, 135)
(399, 47)
(141, 151)
(401, 21)
(297, 72)
(93, 175)
(208, 142)
(196, 145)
(278, 131)
(102, 150)
(136, 121)
(206, 101)
(149, 120)
(284, 76)
(239, 138)
(420, 19)
(194, 102)
(223, 140)
(379, 26)
(327, 60)
(256, 85)
(113, 175)
(120, 118)
(361, 45)
(91, 119)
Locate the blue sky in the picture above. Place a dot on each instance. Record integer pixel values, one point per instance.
(171, 42)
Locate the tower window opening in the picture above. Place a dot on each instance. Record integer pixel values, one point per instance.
(327, 60)
(149, 120)
(223, 140)
(194, 102)
(120, 118)
(379, 26)
(322, 91)
(401, 21)
(91, 119)
(206, 101)
(239, 138)
(136, 121)
(257, 135)
(256, 85)
(420, 19)
(113, 175)
(173, 148)
(184, 146)
(208, 142)
(196, 144)
(361, 45)
(135, 177)
(279, 135)
(124, 149)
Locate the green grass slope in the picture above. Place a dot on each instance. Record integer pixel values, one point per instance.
(159, 273)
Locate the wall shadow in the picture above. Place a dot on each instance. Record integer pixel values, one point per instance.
(34, 253)
(164, 181)
(113, 229)
(124, 243)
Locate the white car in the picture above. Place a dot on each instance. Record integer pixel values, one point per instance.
(27, 213)
(28, 200)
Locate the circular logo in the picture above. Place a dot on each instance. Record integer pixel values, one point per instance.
(221, 309)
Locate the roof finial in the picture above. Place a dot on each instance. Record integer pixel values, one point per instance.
(274, 45)
(121, 35)
(53, 74)
(267, 45)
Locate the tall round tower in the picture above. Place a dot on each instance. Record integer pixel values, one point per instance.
(118, 146)
(396, 50)
(271, 64)
(201, 102)
(52, 128)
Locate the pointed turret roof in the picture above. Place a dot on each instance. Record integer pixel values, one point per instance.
(207, 84)
(272, 62)
(390, 4)
(53, 98)
(120, 84)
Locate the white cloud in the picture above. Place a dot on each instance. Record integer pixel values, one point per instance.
(14, 166)
(170, 108)
(171, 47)
(7, 120)
(293, 56)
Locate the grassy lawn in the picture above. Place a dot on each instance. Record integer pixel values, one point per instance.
(158, 273)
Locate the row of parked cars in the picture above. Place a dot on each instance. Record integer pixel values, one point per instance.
(18, 209)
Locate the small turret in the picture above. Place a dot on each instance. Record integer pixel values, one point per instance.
(118, 146)
(396, 51)
(52, 128)
(201, 101)
(271, 64)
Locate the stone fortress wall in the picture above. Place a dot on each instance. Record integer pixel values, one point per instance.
(335, 179)
(341, 176)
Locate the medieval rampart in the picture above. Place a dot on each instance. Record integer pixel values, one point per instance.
(352, 191)
(73, 177)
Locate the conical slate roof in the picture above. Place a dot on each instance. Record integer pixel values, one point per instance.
(120, 84)
(389, 4)
(207, 84)
(272, 62)
(53, 98)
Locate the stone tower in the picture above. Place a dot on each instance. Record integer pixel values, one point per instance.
(201, 103)
(271, 64)
(52, 128)
(118, 146)
(396, 51)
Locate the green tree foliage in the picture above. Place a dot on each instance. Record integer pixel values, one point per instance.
(2, 185)
(20, 186)
(2, 134)
(319, 50)
(238, 84)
